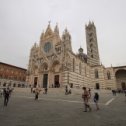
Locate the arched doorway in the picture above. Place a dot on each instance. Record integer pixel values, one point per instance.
(45, 75)
(97, 86)
(56, 81)
(121, 79)
(56, 72)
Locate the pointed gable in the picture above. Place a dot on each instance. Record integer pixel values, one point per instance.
(56, 30)
(49, 31)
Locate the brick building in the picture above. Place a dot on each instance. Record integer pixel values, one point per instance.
(11, 75)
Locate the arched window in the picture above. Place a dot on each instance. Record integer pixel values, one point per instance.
(91, 39)
(73, 65)
(80, 68)
(91, 45)
(108, 75)
(44, 66)
(96, 74)
(85, 70)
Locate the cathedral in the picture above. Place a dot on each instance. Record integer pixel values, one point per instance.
(52, 63)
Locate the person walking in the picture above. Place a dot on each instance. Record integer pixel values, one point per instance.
(37, 91)
(31, 89)
(46, 90)
(85, 97)
(66, 89)
(125, 92)
(6, 94)
(89, 90)
(96, 99)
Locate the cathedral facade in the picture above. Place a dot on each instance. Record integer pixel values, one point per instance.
(52, 63)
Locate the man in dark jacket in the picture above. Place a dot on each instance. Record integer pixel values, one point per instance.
(6, 94)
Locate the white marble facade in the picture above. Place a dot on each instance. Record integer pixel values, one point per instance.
(52, 63)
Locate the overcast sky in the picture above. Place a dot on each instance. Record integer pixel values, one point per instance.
(22, 21)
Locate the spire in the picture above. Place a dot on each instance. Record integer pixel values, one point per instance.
(48, 30)
(90, 22)
(86, 25)
(66, 35)
(35, 45)
(66, 31)
(42, 35)
(56, 29)
(80, 50)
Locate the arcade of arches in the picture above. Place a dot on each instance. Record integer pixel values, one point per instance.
(121, 79)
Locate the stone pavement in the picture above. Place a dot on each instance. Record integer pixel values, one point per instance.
(58, 109)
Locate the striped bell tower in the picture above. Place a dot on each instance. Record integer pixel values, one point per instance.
(92, 45)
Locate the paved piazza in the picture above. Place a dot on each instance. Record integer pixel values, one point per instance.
(58, 109)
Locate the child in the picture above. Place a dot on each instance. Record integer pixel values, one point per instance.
(96, 99)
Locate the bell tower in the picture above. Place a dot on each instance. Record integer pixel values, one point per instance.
(92, 45)
(66, 38)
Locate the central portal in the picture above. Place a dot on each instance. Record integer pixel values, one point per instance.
(45, 80)
(56, 81)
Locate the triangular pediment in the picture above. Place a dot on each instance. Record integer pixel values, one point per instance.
(49, 31)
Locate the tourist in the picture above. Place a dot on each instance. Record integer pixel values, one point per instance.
(6, 94)
(89, 90)
(114, 92)
(46, 89)
(1, 92)
(52, 86)
(96, 99)
(125, 92)
(66, 90)
(85, 97)
(31, 89)
(37, 91)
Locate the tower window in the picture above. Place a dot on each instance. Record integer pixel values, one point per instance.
(92, 56)
(85, 71)
(91, 39)
(108, 75)
(91, 45)
(73, 65)
(90, 34)
(80, 68)
(96, 74)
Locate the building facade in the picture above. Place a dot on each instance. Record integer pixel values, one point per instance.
(52, 63)
(12, 75)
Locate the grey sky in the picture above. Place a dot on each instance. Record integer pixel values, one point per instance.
(22, 21)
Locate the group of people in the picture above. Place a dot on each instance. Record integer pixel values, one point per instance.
(37, 91)
(86, 96)
(118, 91)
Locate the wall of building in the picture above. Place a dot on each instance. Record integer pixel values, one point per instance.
(12, 75)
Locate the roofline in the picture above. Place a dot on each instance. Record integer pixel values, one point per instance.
(119, 66)
(13, 66)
